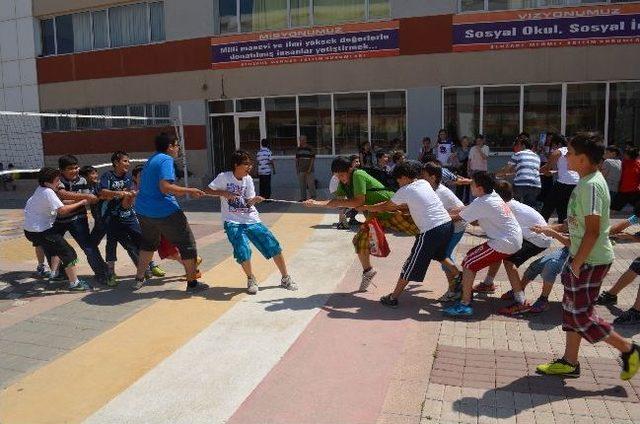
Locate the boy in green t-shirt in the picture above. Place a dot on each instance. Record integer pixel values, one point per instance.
(357, 188)
(591, 255)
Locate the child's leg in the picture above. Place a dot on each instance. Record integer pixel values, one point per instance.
(467, 285)
(477, 258)
(514, 280)
(40, 255)
(572, 347)
(624, 280)
(280, 263)
(491, 274)
(246, 267)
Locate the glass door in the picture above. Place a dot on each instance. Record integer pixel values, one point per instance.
(250, 129)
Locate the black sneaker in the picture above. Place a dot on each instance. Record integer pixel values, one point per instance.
(607, 299)
(196, 286)
(389, 301)
(630, 317)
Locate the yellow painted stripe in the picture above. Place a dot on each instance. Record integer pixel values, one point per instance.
(79, 383)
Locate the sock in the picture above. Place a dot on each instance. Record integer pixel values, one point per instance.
(364, 271)
(75, 283)
(519, 297)
(54, 274)
(152, 264)
(488, 280)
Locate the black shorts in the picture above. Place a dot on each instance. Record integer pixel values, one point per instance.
(174, 228)
(53, 244)
(635, 265)
(526, 252)
(428, 245)
(622, 199)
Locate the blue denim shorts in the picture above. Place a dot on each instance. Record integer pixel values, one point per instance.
(549, 266)
(240, 234)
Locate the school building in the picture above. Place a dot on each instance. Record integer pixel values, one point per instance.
(340, 72)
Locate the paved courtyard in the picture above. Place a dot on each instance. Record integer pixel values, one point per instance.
(323, 354)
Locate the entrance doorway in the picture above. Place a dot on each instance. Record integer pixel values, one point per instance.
(223, 141)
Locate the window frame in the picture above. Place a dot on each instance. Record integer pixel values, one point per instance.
(333, 131)
(554, 6)
(563, 105)
(91, 11)
(367, 18)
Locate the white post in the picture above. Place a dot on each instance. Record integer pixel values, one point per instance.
(183, 147)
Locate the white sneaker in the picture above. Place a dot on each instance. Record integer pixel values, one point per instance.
(252, 285)
(288, 283)
(367, 278)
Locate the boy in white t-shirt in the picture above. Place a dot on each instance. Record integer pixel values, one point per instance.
(40, 213)
(532, 245)
(429, 215)
(242, 222)
(432, 172)
(505, 236)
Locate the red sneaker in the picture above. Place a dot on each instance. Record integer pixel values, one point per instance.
(485, 288)
(515, 309)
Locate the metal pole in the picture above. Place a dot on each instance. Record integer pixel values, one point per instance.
(183, 147)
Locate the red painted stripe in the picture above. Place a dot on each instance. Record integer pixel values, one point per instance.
(339, 369)
(110, 140)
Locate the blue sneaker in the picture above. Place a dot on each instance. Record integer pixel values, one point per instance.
(459, 309)
(80, 285)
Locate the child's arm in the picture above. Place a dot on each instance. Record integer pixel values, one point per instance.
(591, 234)
(76, 196)
(619, 227)
(221, 193)
(356, 202)
(551, 232)
(387, 206)
(255, 200)
(68, 209)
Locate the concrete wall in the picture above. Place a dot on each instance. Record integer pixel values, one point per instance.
(22, 143)
(411, 8)
(188, 18)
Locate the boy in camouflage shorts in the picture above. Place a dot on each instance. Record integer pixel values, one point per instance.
(357, 188)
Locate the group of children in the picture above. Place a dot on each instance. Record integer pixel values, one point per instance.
(516, 233)
(110, 199)
(422, 206)
(59, 204)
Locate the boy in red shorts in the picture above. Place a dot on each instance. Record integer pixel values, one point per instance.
(505, 236)
(590, 256)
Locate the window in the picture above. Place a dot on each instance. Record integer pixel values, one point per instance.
(102, 118)
(388, 120)
(134, 24)
(299, 13)
(501, 115)
(351, 122)
(127, 25)
(227, 17)
(280, 114)
(542, 110)
(462, 112)
(221, 106)
(475, 5)
(315, 122)
(48, 37)
(249, 105)
(624, 113)
(585, 108)
(260, 15)
(64, 34)
(156, 21)
(100, 29)
(327, 12)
